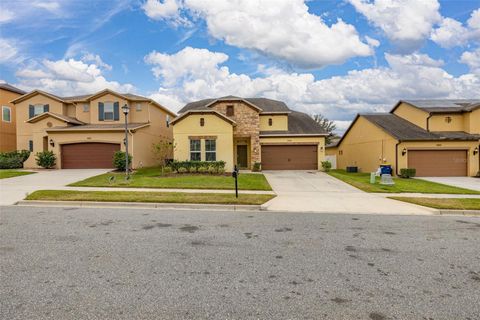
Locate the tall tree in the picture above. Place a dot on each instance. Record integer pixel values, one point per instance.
(327, 125)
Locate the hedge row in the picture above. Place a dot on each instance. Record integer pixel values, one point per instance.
(14, 159)
(198, 166)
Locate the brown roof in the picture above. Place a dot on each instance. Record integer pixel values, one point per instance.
(58, 116)
(443, 105)
(264, 104)
(213, 112)
(404, 130)
(96, 127)
(299, 123)
(8, 87)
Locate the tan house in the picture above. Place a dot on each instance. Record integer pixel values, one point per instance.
(436, 137)
(85, 131)
(8, 134)
(244, 131)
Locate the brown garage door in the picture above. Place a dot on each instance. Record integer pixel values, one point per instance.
(88, 155)
(289, 157)
(438, 163)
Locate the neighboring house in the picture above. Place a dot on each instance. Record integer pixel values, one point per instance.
(8, 133)
(436, 137)
(244, 131)
(85, 131)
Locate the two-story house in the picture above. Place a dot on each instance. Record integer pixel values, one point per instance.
(8, 134)
(436, 137)
(244, 131)
(85, 131)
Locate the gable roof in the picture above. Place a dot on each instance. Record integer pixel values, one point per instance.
(442, 105)
(299, 123)
(101, 127)
(8, 87)
(35, 92)
(213, 112)
(56, 116)
(264, 105)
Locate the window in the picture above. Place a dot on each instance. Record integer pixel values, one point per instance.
(195, 150)
(202, 122)
(270, 122)
(86, 107)
(210, 150)
(138, 107)
(38, 109)
(108, 111)
(448, 119)
(230, 111)
(6, 114)
(167, 118)
(30, 145)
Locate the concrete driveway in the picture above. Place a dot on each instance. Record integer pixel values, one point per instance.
(312, 191)
(461, 182)
(15, 189)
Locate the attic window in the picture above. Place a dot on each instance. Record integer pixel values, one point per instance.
(270, 122)
(230, 111)
(202, 122)
(448, 119)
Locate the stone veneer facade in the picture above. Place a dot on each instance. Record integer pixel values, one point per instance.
(248, 124)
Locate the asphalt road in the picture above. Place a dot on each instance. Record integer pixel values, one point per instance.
(67, 263)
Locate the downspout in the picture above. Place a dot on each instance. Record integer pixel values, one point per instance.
(396, 157)
(131, 134)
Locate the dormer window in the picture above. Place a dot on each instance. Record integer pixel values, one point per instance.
(108, 111)
(270, 122)
(448, 119)
(230, 111)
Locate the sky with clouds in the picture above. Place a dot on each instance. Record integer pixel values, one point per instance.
(337, 58)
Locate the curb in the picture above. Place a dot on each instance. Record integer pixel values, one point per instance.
(459, 212)
(139, 205)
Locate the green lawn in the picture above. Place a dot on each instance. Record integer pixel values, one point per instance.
(7, 173)
(152, 178)
(444, 203)
(362, 182)
(146, 196)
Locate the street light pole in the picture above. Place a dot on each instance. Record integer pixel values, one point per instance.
(125, 110)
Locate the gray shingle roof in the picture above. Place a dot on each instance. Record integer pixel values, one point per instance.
(404, 130)
(8, 87)
(445, 105)
(299, 123)
(266, 105)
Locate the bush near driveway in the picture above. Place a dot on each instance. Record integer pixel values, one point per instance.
(147, 196)
(153, 178)
(14, 159)
(362, 182)
(46, 159)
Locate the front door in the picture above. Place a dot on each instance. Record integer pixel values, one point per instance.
(242, 156)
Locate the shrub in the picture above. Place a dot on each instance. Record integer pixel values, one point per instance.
(14, 159)
(326, 166)
(182, 170)
(166, 170)
(257, 167)
(46, 159)
(202, 169)
(408, 172)
(198, 166)
(119, 160)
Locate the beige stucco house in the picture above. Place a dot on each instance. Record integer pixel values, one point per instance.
(8, 131)
(84, 131)
(244, 131)
(436, 137)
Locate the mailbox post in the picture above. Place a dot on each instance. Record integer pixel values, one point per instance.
(235, 176)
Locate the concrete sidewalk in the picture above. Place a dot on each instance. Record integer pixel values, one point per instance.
(304, 191)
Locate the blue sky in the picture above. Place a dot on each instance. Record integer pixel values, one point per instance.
(332, 57)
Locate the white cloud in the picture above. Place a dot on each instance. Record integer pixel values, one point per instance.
(472, 60)
(407, 23)
(8, 51)
(338, 97)
(168, 10)
(90, 57)
(51, 6)
(6, 15)
(67, 77)
(451, 32)
(283, 29)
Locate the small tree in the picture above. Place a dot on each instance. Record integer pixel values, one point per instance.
(327, 125)
(119, 160)
(163, 150)
(326, 166)
(46, 159)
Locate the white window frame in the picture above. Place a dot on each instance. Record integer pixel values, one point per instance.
(9, 113)
(86, 107)
(38, 109)
(211, 152)
(105, 112)
(138, 107)
(196, 152)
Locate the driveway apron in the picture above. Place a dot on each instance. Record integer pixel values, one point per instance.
(312, 191)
